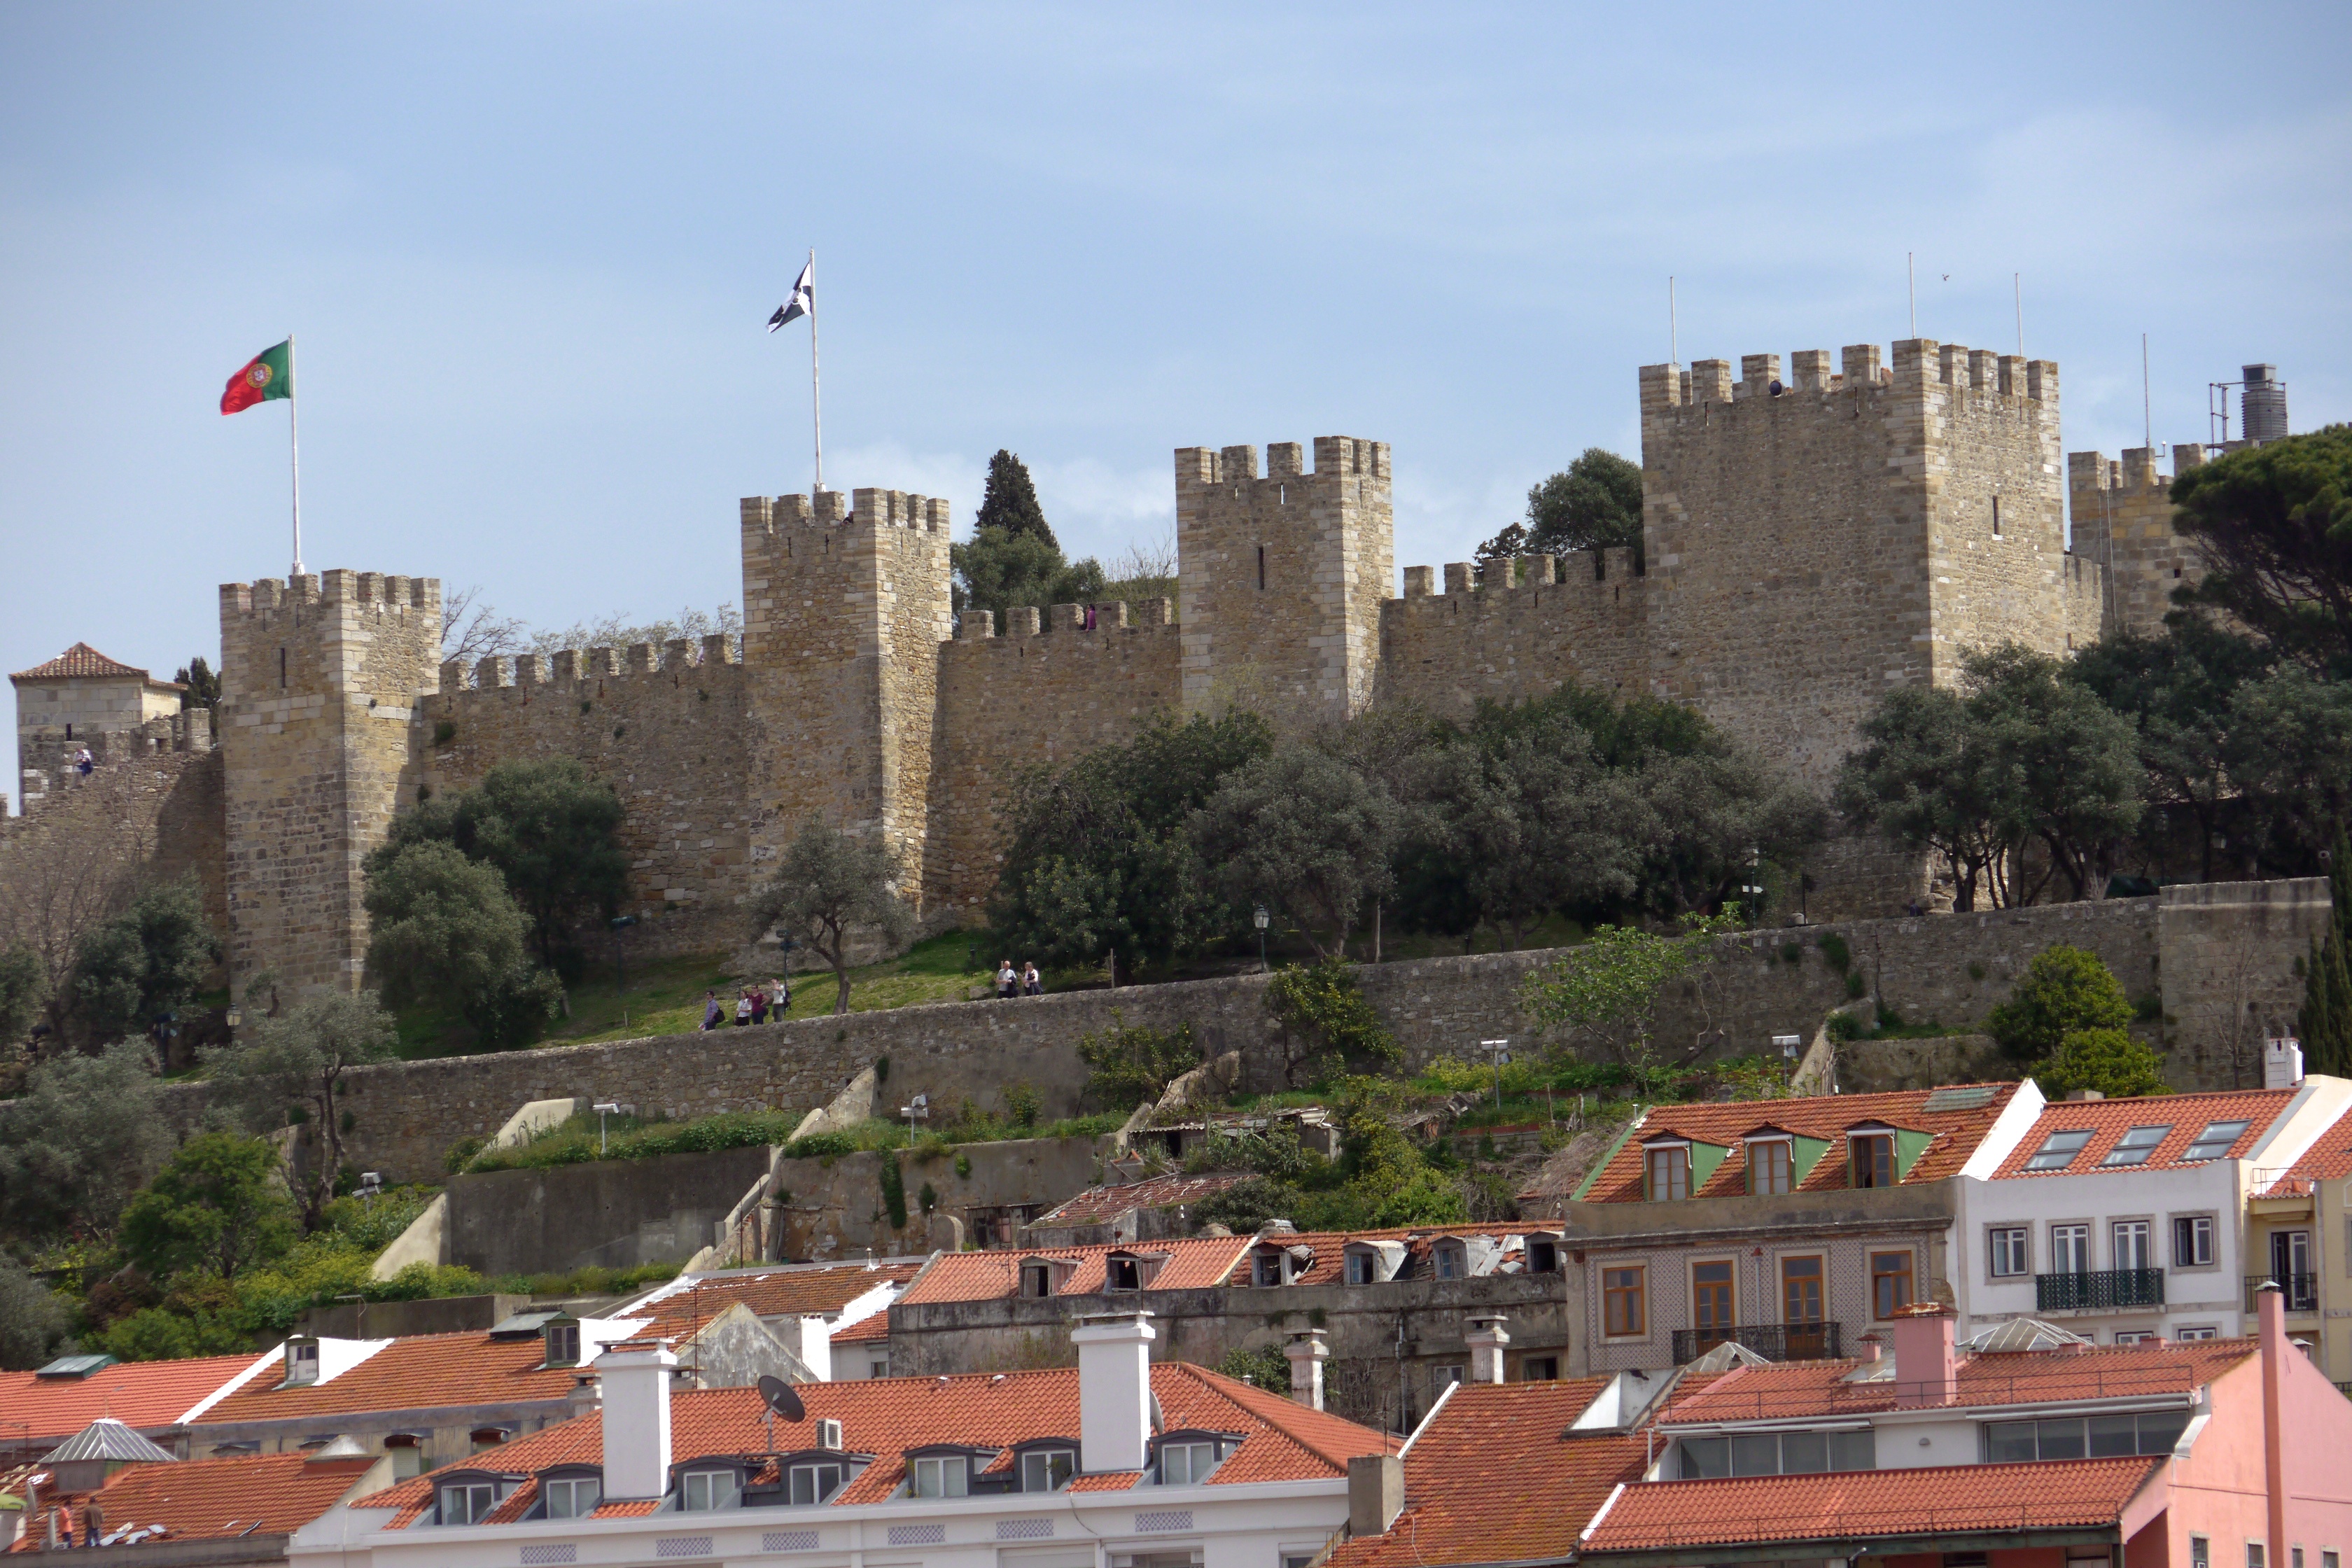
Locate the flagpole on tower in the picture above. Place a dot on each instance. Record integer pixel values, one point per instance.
(817, 396)
(294, 439)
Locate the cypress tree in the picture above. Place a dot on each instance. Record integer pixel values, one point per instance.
(2325, 1021)
(1010, 502)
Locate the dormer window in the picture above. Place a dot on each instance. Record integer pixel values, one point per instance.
(467, 1503)
(704, 1492)
(1048, 1469)
(942, 1475)
(807, 1485)
(1360, 1268)
(1449, 1260)
(572, 1497)
(563, 1343)
(1872, 1150)
(1266, 1268)
(1036, 1279)
(301, 1363)
(1124, 1274)
(1666, 1169)
(1186, 1459)
(1543, 1255)
(1770, 1167)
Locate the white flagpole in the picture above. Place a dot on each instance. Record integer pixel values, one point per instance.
(294, 438)
(817, 396)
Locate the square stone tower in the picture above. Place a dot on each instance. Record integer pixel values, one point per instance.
(843, 613)
(1815, 541)
(318, 677)
(1282, 577)
(2123, 520)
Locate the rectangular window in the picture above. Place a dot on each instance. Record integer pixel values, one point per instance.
(2009, 1442)
(878, 1366)
(2193, 1241)
(1048, 1469)
(1755, 1454)
(2009, 1252)
(2216, 1140)
(2253, 1554)
(1805, 1453)
(1706, 1459)
(2127, 1241)
(1185, 1464)
(1449, 1260)
(1267, 1268)
(1127, 1274)
(1800, 1290)
(1768, 1167)
(563, 1344)
(2058, 1150)
(1854, 1450)
(1261, 568)
(1776, 1454)
(1441, 1378)
(1711, 1308)
(1540, 1369)
(2070, 1250)
(2134, 1336)
(1874, 1160)
(2197, 1332)
(1035, 1280)
(942, 1475)
(707, 1490)
(1669, 1173)
(811, 1484)
(2114, 1436)
(302, 1365)
(1360, 1269)
(573, 1498)
(1543, 1258)
(2134, 1146)
(1890, 1283)
(1623, 1308)
(468, 1504)
(2201, 1553)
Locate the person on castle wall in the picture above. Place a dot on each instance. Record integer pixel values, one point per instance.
(780, 997)
(711, 1012)
(743, 1010)
(759, 998)
(1031, 983)
(1007, 984)
(83, 761)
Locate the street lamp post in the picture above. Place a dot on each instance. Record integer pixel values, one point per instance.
(603, 1107)
(1260, 920)
(1501, 1048)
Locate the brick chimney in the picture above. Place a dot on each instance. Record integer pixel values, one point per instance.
(1487, 1339)
(1927, 1363)
(1114, 1390)
(636, 1377)
(1307, 1352)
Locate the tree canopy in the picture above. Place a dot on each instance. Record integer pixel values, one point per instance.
(87, 1132)
(217, 1207)
(2107, 1060)
(999, 569)
(828, 887)
(1009, 501)
(293, 1069)
(2274, 525)
(151, 958)
(443, 932)
(1302, 831)
(1595, 503)
(2063, 990)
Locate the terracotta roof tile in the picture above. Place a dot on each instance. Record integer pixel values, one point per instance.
(1096, 1205)
(421, 1371)
(2330, 1158)
(1956, 1133)
(83, 660)
(148, 1396)
(673, 1308)
(986, 1276)
(874, 1328)
(2108, 1120)
(885, 1417)
(1493, 1477)
(197, 1498)
(1856, 1504)
(1789, 1389)
(1109, 1481)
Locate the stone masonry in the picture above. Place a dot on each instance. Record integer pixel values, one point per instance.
(2123, 520)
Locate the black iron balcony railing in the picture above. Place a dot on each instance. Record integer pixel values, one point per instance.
(1773, 1341)
(2301, 1290)
(2102, 1289)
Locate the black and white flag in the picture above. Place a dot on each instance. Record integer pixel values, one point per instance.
(802, 301)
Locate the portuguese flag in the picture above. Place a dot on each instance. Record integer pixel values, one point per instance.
(269, 374)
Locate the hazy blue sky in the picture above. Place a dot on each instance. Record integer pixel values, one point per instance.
(528, 251)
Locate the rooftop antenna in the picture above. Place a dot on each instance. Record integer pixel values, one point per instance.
(2017, 283)
(1674, 326)
(1911, 282)
(2147, 417)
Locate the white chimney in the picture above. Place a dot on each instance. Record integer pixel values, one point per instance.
(1307, 1352)
(1487, 1340)
(637, 1378)
(1114, 1390)
(2282, 1063)
(808, 1338)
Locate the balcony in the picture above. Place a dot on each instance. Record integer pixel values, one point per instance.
(2104, 1291)
(2301, 1290)
(1773, 1341)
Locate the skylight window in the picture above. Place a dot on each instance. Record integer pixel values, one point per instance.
(2215, 1141)
(2059, 1150)
(2134, 1146)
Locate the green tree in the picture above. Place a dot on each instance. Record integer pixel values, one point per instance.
(2107, 1060)
(443, 932)
(827, 887)
(1327, 1023)
(203, 683)
(1533, 824)
(2075, 760)
(2325, 1024)
(2292, 766)
(151, 958)
(2274, 526)
(2063, 989)
(24, 991)
(1711, 818)
(298, 1062)
(217, 1207)
(1603, 993)
(1131, 1064)
(1925, 779)
(1594, 504)
(550, 830)
(1009, 501)
(1266, 1367)
(34, 1319)
(87, 1132)
(1304, 831)
(999, 569)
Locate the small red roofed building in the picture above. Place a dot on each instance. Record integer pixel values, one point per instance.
(82, 699)
(1122, 1462)
(159, 1400)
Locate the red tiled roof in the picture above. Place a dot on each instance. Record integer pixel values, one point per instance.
(258, 1494)
(986, 1276)
(147, 1394)
(886, 1416)
(1330, 1248)
(1493, 1477)
(81, 659)
(1109, 1481)
(2330, 1158)
(773, 1293)
(1956, 1133)
(421, 1371)
(2108, 1120)
(1096, 1205)
(1944, 1499)
(1791, 1389)
(873, 1328)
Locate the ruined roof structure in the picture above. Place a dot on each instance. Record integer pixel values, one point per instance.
(1174, 1264)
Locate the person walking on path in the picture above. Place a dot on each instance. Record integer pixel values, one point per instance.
(780, 997)
(742, 1009)
(711, 1012)
(1007, 984)
(1031, 983)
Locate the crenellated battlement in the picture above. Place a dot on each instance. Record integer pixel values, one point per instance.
(384, 591)
(675, 658)
(1912, 366)
(1520, 574)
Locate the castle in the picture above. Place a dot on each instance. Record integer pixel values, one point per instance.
(1810, 543)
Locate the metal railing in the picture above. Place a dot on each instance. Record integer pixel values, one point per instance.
(2301, 1290)
(2100, 1289)
(2278, 1182)
(1773, 1341)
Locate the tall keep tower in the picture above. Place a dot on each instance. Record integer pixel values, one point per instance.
(318, 677)
(843, 616)
(1282, 578)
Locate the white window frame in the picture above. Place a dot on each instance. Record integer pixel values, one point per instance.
(570, 1485)
(2062, 1233)
(2194, 1224)
(302, 1364)
(2136, 1235)
(474, 1510)
(1441, 1378)
(2191, 1333)
(813, 1469)
(1042, 1462)
(1196, 1471)
(941, 1476)
(718, 1489)
(2003, 1239)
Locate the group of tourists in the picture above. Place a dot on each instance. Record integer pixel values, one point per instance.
(1023, 982)
(756, 1005)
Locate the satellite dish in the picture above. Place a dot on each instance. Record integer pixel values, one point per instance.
(778, 1396)
(1159, 1416)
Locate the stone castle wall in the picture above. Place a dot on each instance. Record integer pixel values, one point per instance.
(1581, 617)
(2122, 519)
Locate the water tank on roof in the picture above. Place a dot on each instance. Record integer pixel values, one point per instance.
(2264, 402)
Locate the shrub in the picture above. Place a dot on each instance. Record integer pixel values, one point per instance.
(2063, 989)
(894, 1193)
(1266, 1367)
(1134, 1066)
(1326, 1022)
(2107, 1060)
(1835, 950)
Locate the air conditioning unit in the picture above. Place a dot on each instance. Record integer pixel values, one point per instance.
(828, 1433)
